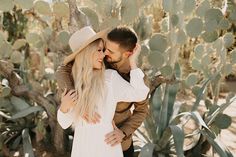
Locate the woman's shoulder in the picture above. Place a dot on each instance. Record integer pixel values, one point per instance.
(109, 73)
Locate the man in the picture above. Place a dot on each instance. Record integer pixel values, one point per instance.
(120, 44)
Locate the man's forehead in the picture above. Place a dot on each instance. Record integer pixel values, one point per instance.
(111, 44)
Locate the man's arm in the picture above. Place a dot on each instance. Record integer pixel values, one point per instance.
(140, 112)
(64, 78)
(65, 81)
(127, 128)
(141, 109)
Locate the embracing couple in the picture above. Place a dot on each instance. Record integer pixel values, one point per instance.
(100, 82)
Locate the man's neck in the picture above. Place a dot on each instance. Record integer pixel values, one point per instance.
(122, 67)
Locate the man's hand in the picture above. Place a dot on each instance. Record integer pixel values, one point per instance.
(115, 137)
(95, 119)
(134, 57)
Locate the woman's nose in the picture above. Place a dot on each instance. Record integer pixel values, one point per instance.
(102, 55)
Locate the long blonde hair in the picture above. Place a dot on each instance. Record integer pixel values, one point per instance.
(89, 83)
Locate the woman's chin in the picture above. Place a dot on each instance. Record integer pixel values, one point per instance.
(97, 68)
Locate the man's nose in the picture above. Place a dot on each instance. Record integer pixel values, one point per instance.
(105, 52)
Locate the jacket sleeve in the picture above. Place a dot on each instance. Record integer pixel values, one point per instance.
(64, 78)
(141, 109)
(136, 90)
(140, 112)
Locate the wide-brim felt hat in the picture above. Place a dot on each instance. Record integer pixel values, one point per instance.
(82, 38)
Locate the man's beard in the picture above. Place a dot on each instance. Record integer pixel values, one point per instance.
(110, 61)
(110, 64)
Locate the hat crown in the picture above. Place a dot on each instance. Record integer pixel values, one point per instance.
(80, 37)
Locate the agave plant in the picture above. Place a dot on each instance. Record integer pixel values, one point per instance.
(167, 129)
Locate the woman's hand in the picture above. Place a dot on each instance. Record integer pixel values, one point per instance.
(68, 100)
(134, 57)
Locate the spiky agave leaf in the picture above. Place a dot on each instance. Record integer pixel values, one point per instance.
(27, 145)
(147, 150)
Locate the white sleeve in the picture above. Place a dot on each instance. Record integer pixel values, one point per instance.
(134, 91)
(64, 119)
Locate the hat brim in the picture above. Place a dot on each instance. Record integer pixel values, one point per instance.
(102, 34)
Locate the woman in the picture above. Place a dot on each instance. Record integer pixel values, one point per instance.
(98, 90)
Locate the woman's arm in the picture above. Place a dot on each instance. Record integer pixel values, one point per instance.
(136, 90)
(64, 113)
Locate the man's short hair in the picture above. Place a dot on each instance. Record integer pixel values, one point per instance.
(124, 36)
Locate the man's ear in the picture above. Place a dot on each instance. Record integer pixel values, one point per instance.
(128, 53)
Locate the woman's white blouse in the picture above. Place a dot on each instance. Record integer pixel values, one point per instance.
(117, 89)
